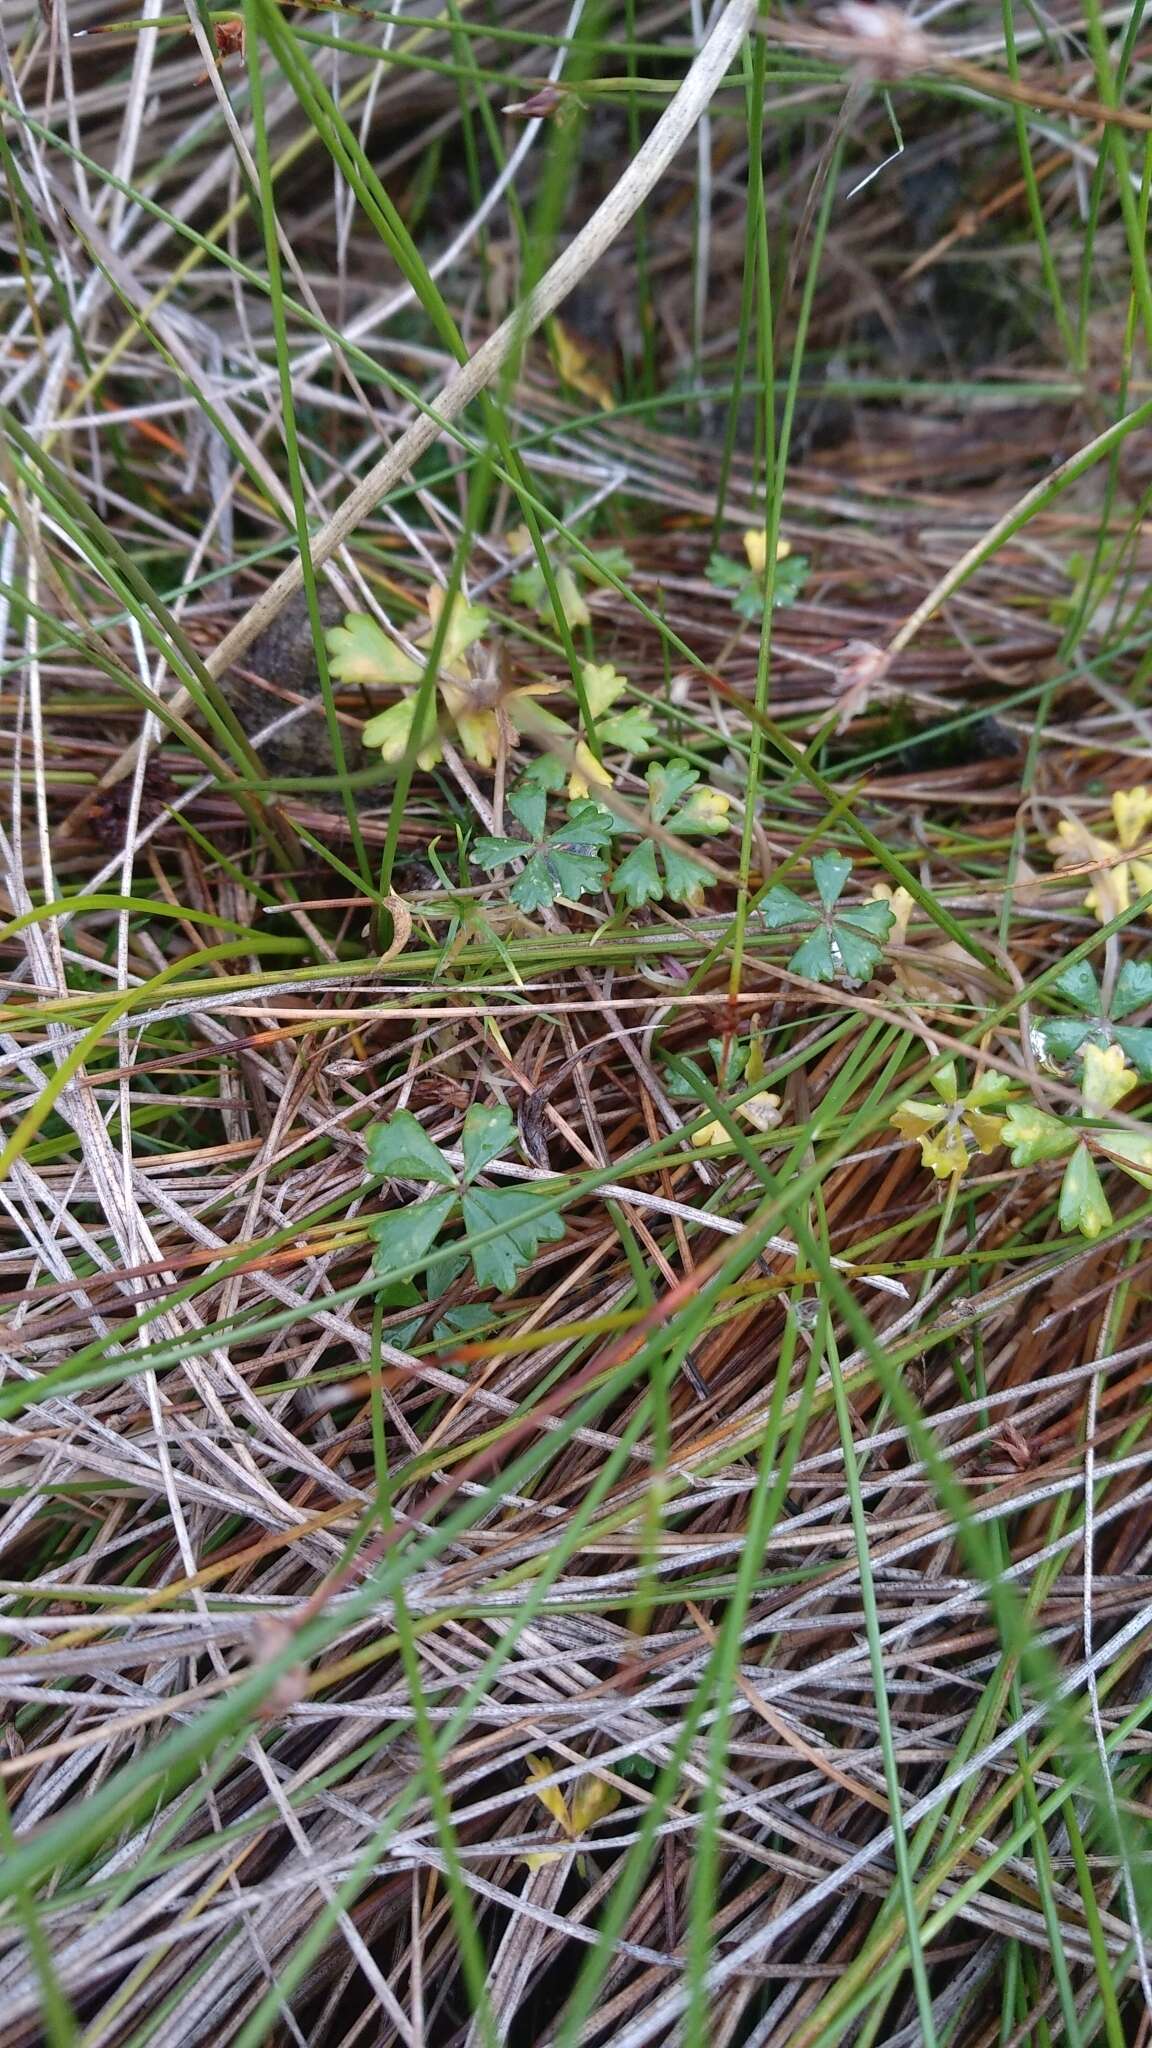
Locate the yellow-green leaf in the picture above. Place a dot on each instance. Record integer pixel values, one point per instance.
(391, 730)
(1105, 1079)
(591, 1800)
(944, 1152)
(602, 686)
(467, 623)
(360, 651)
(914, 1119)
(1083, 1203)
(1130, 1149)
(550, 1796)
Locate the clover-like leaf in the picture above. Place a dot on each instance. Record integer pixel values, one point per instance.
(404, 1235)
(830, 871)
(1083, 1203)
(745, 580)
(1062, 1039)
(1136, 1044)
(954, 1127)
(361, 652)
(570, 571)
(943, 1149)
(668, 783)
(528, 804)
(1079, 985)
(507, 1210)
(467, 623)
(847, 939)
(782, 907)
(489, 1130)
(632, 731)
(566, 862)
(703, 814)
(602, 686)
(402, 1150)
(681, 805)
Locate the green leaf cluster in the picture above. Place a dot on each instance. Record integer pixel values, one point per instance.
(845, 941)
(680, 804)
(571, 573)
(567, 862)
(402, 1150)
(1063, 1039)
(745, 585)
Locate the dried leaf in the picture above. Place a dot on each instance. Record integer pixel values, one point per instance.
(576, 361)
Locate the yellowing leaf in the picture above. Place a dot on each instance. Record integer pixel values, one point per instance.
(1083, 1203)
(591, 1800)
(479, 735)
(711, 1134)
(1131, 814)
(1076, 847)
(987, 1130)
(944, 1081)
(390, 731)
(587, 773)
(1105, 1078)
(550, 1796)
(762, 1111)
(360, 651)
(990, 1087)
(913, 1119)
(944, 1152)
(901, 903)
(705, 810)
(602, 686)
(571, 597)
(756, 549)
(467, 624)
(1031, 1135)
(576, 361)
(1141, 877)
(926, 984)
(949, 1133)
(1131, 1150)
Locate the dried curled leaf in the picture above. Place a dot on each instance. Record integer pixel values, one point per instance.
(591, 1799)
(1123, 865)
